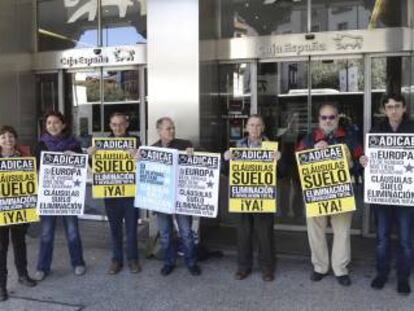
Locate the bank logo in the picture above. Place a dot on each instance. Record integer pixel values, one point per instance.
(91, 8)
(124, 55)
(348, 42)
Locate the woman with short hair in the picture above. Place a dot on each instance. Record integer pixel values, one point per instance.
(10, 149)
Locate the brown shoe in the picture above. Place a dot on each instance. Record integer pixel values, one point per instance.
(114, 268)
(242, 274)
(134, 266)
(268, 276)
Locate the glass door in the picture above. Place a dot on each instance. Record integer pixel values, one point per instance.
(282, 89)
(91, 97)
(289, 94)
(47, 95)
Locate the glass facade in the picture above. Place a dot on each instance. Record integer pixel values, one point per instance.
(69, 24)
(124, 25)
(331, 15)
(244, 18)
(391, 75)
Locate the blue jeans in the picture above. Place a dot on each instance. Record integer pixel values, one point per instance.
(385, 217)
(117, 210)
(70, 224)
(165, 225)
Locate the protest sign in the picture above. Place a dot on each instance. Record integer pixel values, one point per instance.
(156, 179)
(198, 184)
(389, 176)
(113, 168)
(252, 184)
(326, 181)
(62, 183)
(18, 191)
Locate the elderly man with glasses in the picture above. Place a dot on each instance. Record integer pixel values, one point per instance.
(330, 133)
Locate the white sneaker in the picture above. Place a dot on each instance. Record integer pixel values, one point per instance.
(79, 270)
(39, 275)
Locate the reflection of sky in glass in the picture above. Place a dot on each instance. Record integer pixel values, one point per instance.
(89, 38)
(122, 36)
(111, 37)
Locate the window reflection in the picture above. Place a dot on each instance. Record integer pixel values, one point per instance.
(331, 15)
(121, 86)
(66, 24)
(242, 18)
(124, 23)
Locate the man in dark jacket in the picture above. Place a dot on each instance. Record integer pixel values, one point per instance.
(396, 121)
(122, 210)
(166, 131)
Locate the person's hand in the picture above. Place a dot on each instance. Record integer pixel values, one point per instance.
(276, 155)
(137, 155)
(227, 155)
(363, 160)
(133, 153)
(189, 151)
(91, 150)
(321, 144)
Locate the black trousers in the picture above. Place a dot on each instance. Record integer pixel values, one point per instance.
(18, 237)
(260, 225)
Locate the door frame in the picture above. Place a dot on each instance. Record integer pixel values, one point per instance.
(142, 105)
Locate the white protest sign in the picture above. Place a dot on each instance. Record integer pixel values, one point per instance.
(156, 179)
(198, 184)
(389, 176)
(62, 183)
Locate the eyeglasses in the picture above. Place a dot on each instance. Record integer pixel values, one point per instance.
(329, 117)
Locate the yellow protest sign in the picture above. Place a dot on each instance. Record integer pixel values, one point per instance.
(113, 167)
(18, 191)
(252, 180)
(326, 181)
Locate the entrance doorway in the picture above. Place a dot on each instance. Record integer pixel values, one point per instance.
(288, 96)
(88, 97)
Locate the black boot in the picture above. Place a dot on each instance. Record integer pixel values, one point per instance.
(3, 293)
(26, 280)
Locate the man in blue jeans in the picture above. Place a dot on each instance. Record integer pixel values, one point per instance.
(166, 131)
(396, 121)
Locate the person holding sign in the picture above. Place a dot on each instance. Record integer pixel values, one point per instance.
(120, 209)
(261, 223)
(166, 131)
(10, 149)
(396, 121)
(56, 137)
(329, 133)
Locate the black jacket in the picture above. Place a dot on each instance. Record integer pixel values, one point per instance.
(406, 126)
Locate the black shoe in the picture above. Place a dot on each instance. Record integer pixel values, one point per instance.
(3, 294)
(344, 280)
(403, 287)
(27, 281)
(242, 274)
(194, 270)
(379, 282)
(166, 270)
(268, 276)
(316, 276)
